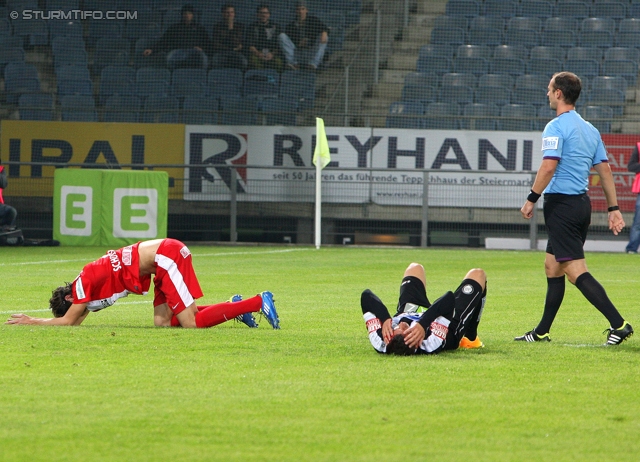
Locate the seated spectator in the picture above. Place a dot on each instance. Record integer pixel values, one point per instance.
(262, 42)
(305, 40)
(7, 213)
(184, 42)
(226, 41)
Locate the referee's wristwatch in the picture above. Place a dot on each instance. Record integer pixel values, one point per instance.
(613, 208)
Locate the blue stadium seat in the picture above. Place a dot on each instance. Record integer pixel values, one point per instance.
(5, 27)
(496, 80)
(537, 8)
(161, 109)
(72, 72)
(448, 36)
(445, 21)
(64, 28)
(34, 32)
(436, 64)
(493, 95)
(511, 66)
(64, 5)
(610, 9)
(35, 106)
(627, 39)
(225, 82)
(465, 8)
(524, 37)
(531, 89)
(622, 68)
(122, 108)
(595, 38)
(458, 94)
(629, 25)
(11, 41)
(584, 68)
(628, 53)
(487, 22)
(441, 116)
(69, 51)
(525, 22)
(553, 38)
(299, 86)
(10, 55)
(117, 80)
(456, 79)
(279, 111)
(146, 74)
(561, 23)
(613, 98)
(474, 51)
(599, 116)
(542, 52)
(480, 117)
(544, 66)
(20, 78)
(199, 110)
(110, 52)
(598, 24)
(545, 114)
(572, 9)
(500, 8)
(419, 93)
(518, 117)
(261, 83)
(466, 65)
(405, 114)
(98, 29)
(488, 37)
(511, 51)
(445, 51)
(78, 108)
(594, 53)
(425, 79)
(608, 82)
(235, 110)
(186, 82)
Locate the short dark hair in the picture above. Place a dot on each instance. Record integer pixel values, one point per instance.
(397, 346)
(569, 84)
(58, 303)
(263, 6)
(227, 5)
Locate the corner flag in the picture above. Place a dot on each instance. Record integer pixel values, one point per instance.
(321, 153)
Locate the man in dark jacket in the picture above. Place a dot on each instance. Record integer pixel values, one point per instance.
(227, 37)
(262, 42)
(305, 40)
(184, 42)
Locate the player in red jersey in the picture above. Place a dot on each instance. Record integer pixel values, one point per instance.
(128, 271)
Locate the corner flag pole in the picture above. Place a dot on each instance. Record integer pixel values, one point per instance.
(321, 158)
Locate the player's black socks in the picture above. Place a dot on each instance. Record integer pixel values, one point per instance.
(471, 331)
(555, 294)
(595, 293)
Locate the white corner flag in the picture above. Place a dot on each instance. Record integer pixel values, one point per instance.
(321, 158)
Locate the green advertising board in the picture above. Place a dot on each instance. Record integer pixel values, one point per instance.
(109, 207)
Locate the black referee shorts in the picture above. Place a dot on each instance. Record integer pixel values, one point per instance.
(413, 292)
(567, 218)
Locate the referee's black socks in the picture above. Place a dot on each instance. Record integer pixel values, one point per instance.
(595, 293)
(555, 295)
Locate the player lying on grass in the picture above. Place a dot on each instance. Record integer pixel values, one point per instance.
(451, 322)
(128, 271)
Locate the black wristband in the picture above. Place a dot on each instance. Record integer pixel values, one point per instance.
(613, 208)
(533, 196)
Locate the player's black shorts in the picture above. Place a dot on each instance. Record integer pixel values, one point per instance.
(567, 218)
(412, 291)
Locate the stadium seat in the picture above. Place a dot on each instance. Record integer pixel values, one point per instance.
(20, 78)
(448, 36)
(122, 108)
(624, 53)
(405, 114)
(474, 51)
(518, 117)
(544, 66)
(594, 53)
(419, 93)
(480, 117)
(496, 80)
(72, 72)
(542, 52)
(5, 27)
(458, 94)
(64, 28)
(299, 86)
(466, 65)
(553, 38)
(525, 22)
(629, 25)
(186, 82)
(35, 106)
(572, 9)
(627, 39)
(146, 74)
(536, 8)
(614, 98)
(598, 24)
(225, 82)
(64, 5)
(455, 79)
(98, 29)
(487, 22)
(110, 52)
(622, 68)
(599, 116)
(430, 79)
(545, 114)
(9, 41)
(279, 111)
(584, 68)
(78, 108)
(609, 9)
(261, 83)
(595, 38)
(511, 51)
(445, 51)
(523, 37)
(488, 37)
(34, 32)
(608, 82)
(10, 55)
(500, 8)
(441, 116)
(199, 110)
(445, 21)
(561, 23)
(235, 110)
(117, 80)
(437, 64)
(511, 66)
(531, 89)
(69, 51)
(465, 8)
(161, 109)
(493, 95)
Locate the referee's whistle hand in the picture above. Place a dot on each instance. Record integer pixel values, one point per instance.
(616, 222)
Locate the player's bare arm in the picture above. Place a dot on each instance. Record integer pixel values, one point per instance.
(74, 317)
(543, 177)
(616, 222)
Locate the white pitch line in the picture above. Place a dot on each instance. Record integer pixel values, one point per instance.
(220, 254)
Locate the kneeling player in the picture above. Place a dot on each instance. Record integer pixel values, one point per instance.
(450, 322)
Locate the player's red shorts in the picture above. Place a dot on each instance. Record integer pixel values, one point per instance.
(175, 281)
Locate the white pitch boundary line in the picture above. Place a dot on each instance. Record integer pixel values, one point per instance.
(220, 254)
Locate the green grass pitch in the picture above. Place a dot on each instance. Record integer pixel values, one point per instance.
(116, 388)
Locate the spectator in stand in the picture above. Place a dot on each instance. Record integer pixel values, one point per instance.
(184, 42)
(226, 41)
(305, 40)
(262, 42)
(8, 214)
